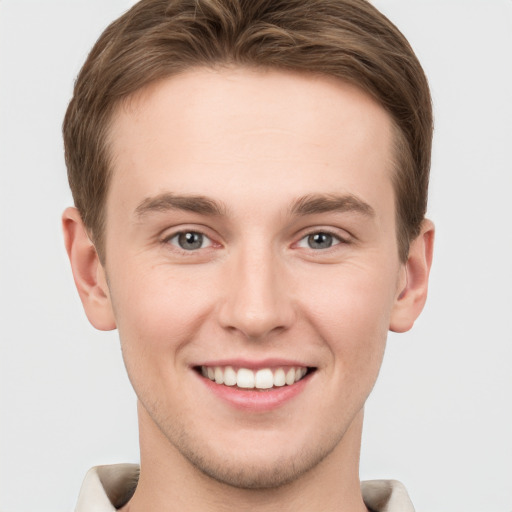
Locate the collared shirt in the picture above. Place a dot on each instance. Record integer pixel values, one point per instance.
(107, 488)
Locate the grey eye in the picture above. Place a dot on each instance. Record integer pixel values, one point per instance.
(320, 241)
(190, 240)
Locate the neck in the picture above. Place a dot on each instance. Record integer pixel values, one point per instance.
(169, 482)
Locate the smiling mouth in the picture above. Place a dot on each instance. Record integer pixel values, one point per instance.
(263, 379)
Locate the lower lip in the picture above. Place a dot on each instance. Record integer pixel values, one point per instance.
(255, 400)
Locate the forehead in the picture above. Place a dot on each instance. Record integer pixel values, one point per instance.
(278, 131)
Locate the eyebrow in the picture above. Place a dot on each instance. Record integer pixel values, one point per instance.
(190, 203)
(306, 205)
(323, 203)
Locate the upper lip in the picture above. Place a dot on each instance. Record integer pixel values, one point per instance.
(253, 364)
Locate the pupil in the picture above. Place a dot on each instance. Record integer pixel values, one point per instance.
(320, 241)
(191, 240)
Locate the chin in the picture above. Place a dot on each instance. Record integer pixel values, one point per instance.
(255, 469)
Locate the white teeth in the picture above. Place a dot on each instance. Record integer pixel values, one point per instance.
(279, 378)
(245, 378)
(265, 378)
(219, 375)
(229, 376)
(299, 373)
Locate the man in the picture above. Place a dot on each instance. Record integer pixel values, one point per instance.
(250, 181)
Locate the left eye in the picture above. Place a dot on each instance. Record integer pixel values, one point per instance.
(320, 240)
(190, 240)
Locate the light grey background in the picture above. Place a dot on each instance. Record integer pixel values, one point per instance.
(440, 418)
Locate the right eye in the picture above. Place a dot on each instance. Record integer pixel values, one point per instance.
(190, 240)
(319, 240)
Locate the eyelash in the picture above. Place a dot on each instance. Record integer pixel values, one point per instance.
(303, 242)
(336, 239)
(204, 238)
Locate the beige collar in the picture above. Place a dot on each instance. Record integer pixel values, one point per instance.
(108, 487)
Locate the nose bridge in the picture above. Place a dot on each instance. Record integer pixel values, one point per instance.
(257, 301)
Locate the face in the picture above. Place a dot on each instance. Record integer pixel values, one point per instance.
(250, 241)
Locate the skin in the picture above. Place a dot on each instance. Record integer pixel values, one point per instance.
(254, 144)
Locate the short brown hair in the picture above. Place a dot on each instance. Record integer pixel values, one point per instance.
(346, 39)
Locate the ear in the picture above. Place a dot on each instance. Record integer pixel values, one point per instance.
(89, 275)
(412, 292)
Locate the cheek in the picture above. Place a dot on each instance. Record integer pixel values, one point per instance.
(158, 309)
(156, 316)
(351, 312)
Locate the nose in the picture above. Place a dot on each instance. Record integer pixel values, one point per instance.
(258, 300)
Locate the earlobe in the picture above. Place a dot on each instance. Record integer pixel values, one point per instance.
(412, 295)
(88, 272)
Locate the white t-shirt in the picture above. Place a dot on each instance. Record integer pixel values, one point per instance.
(107, 488)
